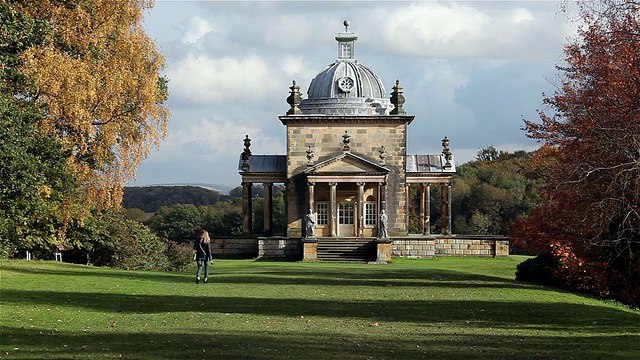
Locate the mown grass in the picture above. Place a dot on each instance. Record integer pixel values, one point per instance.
(445, 308)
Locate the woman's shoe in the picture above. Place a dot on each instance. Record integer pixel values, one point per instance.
(197, 280)
(206, 280)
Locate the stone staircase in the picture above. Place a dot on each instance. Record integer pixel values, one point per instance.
(347, 249)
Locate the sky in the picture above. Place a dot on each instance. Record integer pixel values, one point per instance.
(471, 71)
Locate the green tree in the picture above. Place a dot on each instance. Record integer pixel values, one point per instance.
(36, 183)
(489, 194)
(136, 214)
(223, 218)
(487, 154)
(179, 223)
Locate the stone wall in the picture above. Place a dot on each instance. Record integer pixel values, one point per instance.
(403, 247)
(417, 247)
(455, 245)
(234, 247)
(279, 247)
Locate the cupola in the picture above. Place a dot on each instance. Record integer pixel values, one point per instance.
(346, 87)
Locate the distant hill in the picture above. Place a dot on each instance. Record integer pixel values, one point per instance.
(222, 189)
(151, 198)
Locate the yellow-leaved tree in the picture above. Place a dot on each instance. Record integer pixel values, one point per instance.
(97, 80)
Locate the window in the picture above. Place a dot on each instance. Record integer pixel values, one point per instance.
(322, 214)
(346, 51)
(346, 214)
(370, 214)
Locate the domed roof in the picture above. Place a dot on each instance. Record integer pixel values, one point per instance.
(346, 87)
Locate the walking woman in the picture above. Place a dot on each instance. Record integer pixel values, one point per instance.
(202, 247)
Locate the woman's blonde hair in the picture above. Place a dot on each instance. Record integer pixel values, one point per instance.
(204, 235)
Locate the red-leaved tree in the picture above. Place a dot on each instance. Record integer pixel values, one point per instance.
(589, 161)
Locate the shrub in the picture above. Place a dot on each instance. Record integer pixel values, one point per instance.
(538, 270)
(179, 256)
(126, 244)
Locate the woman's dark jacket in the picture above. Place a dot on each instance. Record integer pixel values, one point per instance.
(203, 250)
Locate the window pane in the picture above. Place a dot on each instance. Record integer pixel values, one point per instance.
(322, 214)
(370, 214)
(346, 214)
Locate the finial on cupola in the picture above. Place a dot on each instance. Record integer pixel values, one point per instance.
(446, 152)
(397, 99)
(346, 43)
(246, 153)
(294, 99)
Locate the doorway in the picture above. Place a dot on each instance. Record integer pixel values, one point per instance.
(346, 219)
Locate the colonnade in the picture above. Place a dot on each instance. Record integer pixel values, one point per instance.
(425, 206)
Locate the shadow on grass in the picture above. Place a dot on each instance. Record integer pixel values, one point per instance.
(321, 276)
(76, 270)
(295, 345)
(473, 313)
(387, 277)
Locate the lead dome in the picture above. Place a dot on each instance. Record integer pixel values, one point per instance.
(346, 87)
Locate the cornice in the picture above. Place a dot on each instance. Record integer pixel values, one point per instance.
(346, 119)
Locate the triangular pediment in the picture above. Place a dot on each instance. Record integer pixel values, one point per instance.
(346, 163)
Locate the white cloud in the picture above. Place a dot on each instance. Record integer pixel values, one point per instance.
(202, 79)
(288, 31)
(198, 27)
(449, 30)
(210, 140)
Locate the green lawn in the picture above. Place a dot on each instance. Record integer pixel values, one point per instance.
(445, 308)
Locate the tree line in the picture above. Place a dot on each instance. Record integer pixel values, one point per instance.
(151, 198)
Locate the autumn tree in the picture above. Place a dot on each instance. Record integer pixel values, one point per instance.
(86, 76)
(589, 162)
(96, 76)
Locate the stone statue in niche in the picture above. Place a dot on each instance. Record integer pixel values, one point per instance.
(382, 230)
(310, 224)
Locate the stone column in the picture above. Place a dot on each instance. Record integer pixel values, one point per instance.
(407, 200)
(333, 208)
(427, 210)
(268, 209)
(422, 209)
(247, 207)
(286, 207)
(449, 228)
(311, 194)
(360, 222)
(445, 227)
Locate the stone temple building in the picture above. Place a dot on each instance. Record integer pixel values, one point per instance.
(346, 163)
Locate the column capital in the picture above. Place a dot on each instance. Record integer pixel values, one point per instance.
(333, 183)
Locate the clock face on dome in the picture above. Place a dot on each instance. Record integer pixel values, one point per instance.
(345, 84)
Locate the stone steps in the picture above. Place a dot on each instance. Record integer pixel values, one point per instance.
(347, 249)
